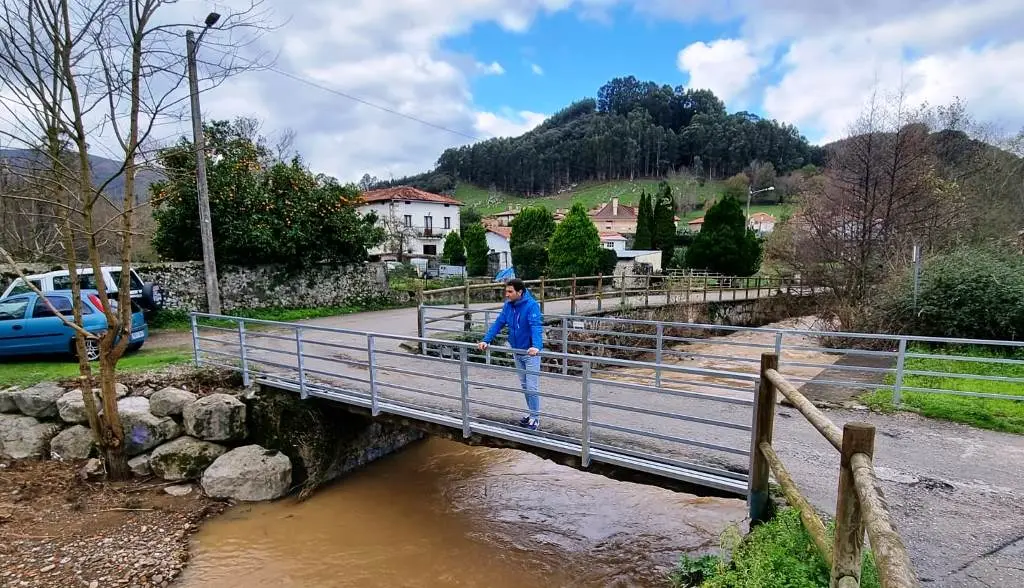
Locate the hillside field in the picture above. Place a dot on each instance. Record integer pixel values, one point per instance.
(590, 194)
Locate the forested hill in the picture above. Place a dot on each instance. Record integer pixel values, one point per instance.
(632, 129)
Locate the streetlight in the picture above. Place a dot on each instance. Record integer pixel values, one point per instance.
(205, 227)
(750, 194)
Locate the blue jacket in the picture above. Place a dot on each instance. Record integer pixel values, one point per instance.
(524, 321)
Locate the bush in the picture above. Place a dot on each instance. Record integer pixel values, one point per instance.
(725, 244)
(454, 250)
(475, 240)
(975, 293)
(575, 248)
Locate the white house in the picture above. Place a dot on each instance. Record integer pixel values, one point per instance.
(498, 242)
(416, 222)
(761, 223)
(613, 240)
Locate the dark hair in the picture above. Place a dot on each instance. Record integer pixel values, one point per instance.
(516, 284)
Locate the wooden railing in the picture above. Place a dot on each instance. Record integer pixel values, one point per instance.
(860, 507)
(621, 286)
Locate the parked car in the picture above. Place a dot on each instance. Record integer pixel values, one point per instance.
(145, 294)
(29, 327)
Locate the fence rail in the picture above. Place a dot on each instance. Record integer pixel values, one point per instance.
(838, 363)
(860, 508)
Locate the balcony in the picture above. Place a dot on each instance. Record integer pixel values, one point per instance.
(428, 232)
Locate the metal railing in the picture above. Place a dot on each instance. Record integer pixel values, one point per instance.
(697, 436)
(860, 507)
(834, 362)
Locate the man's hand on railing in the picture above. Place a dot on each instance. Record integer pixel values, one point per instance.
(532, 351)
(481, 346)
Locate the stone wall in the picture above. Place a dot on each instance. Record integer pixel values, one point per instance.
(248, 447)
(184, 287)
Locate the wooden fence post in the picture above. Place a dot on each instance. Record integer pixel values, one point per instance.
(764, 423)
(542, 295)
(849, 540)
(647, 290)
(467, 326)
(623, 303)
(600, 287)
(572, 302)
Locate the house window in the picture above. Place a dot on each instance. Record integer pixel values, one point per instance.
(447, 222)
(428, 226)
(408, 220)
(430, 250)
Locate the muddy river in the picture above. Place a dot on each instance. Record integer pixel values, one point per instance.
(441, 513)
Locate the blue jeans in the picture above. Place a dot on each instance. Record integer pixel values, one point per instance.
(528, 368)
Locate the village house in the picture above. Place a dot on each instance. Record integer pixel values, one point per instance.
(612, 216)
(498, 239)
(761, 223)
(416, 222)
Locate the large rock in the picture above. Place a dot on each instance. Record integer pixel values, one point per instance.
(24, 437)
(71, 407)
(139, 465)
(250, 473)
(7, 403)
(217, 417)
(39, 401)
(170, 401)
(185, 458)
(72, 443)
(142, 429)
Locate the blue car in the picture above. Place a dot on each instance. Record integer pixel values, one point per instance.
(29, 327)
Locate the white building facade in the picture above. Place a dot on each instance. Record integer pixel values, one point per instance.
(416, 222)
(498, 244)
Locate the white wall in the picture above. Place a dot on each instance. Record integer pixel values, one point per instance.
(499, 245)
(398, 209)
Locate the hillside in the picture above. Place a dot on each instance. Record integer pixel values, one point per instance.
(103, 169)
(631, 130)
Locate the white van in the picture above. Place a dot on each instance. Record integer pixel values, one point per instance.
(146, 295)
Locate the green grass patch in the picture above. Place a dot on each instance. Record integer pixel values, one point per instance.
(60, 368)
(985, 413)
(777, 554)
(178, 320)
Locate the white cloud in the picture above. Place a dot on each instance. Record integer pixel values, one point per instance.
(493, 68)
(536, 69)
(725, 66)
(507, 124)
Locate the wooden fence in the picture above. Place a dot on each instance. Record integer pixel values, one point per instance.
(860, 507)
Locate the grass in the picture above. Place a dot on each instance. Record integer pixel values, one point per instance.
(178, 320)
(777, 554)
(33, 372)
(985, 413)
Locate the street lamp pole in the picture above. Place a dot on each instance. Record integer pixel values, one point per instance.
(205, 226)
(750, 195)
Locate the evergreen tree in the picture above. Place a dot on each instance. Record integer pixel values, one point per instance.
(644, 237)
(575, 248)
(454, 250)
(475, 239)
(664, 224)
(724, 243)
(531, 231)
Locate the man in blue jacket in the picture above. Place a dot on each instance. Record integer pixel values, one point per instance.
(521, 314)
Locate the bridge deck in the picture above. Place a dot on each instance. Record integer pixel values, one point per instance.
(699, 435)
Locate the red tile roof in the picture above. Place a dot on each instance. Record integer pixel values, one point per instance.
(605, 212)
(407, 193)
(611, 235)
(505, 232)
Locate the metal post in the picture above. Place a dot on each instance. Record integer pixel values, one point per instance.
(195, 339)
(198, 141)
(778, 349)
(242, 353)
(464, 377)
(657, 355)
(917, 273)
(372, 369)
(487, 322)
(565, 346)
(585, 436)
(303, 394)
(901, 356)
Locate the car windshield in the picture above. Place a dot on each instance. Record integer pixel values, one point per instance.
(135, 283)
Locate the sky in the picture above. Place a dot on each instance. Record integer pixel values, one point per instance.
(383, 87)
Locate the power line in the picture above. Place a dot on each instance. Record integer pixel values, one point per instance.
(315, 84)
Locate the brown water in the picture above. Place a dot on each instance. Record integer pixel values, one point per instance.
(441, 513)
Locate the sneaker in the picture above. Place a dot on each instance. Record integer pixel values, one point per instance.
(529, 423)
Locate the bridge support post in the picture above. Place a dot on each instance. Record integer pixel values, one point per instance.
(658, 354)
(303, 394)
(372, 370)
(242, 353)
(758, 500)
(464, 377)
(585, 434)
(565, 345)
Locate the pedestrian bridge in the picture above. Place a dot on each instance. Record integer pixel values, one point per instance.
(685, 427)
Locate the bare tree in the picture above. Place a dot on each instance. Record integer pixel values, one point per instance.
(80, 72)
